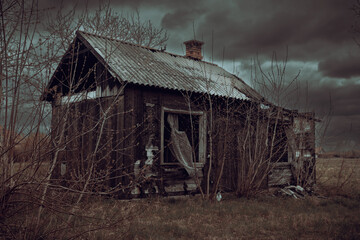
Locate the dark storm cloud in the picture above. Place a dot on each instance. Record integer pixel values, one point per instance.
(79, 4)
(342, 134)
(341, 67)
(345, 99)
(165, 3)
(343, 131)
(309, 28)
(128, 3)
(316, 33)
(180, 19)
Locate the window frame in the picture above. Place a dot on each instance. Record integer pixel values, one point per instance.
(202, 134)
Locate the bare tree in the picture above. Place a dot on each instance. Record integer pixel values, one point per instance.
(300, 135)
(29, 159)
(130, 28)
(104, 21)
(273, 82)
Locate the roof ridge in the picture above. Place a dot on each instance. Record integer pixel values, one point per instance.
(121, 41)
(144, 47)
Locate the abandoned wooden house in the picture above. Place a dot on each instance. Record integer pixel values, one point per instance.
(131, 120)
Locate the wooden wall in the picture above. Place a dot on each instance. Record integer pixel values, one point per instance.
(120, 128)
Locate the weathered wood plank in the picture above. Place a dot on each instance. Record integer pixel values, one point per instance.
(280, 175)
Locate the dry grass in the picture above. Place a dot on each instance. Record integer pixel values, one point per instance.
(26, 170)
(95, 218)
(260, 218)
(192, 218)
(339, 175)
(334, 215)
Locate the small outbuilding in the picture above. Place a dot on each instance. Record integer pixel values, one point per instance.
(130, 121)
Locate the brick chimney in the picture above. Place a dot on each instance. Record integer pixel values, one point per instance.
(193, 49)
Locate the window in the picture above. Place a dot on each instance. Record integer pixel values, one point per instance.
(78, 97)
(62, 169)
(306, 125)
(183, 138)
(307, 154)
(297, 125)
(301, 125)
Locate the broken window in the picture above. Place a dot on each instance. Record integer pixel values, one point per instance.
(183, 138)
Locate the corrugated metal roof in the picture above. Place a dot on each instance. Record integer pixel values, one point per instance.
(149, 67)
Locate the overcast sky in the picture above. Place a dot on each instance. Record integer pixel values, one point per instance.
(317, 33)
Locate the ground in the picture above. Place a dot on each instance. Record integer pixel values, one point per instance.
(333, 213)
(339, 175)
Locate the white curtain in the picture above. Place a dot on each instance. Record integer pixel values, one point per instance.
(180, 145)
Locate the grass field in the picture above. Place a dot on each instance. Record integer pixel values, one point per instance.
(334, 213)
(339, 175)
(261, 218)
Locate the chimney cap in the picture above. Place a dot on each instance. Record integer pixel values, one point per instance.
(194, 42)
